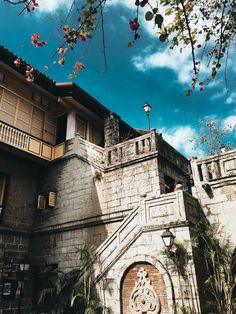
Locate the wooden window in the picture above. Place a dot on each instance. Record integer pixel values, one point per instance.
(23, 117)
(95, 135)
(37, 122)
(3, 180)
(50, 128)
(8, 107)
(26, 117)
(81, 127)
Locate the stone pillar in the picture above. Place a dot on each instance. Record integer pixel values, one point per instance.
(71, 125)
(112, 129)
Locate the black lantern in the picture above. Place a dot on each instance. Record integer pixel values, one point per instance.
(147, 108)
(24, 264)
(168, 238)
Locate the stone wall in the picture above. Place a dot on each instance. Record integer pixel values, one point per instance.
(17, 220)
(112, 130)
(146, 248)
(215, 187)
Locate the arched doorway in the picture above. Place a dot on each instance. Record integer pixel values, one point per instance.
(143, 290)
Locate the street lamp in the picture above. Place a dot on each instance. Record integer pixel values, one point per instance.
(24, 265)
(168, 238)
(147, 108)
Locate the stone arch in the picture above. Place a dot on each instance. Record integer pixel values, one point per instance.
(132, 300)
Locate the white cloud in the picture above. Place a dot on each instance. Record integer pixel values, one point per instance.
(180, 63)
(126, 3)
(182, 139)
(229, 122)
(231, 98)
(50, 6)
(218, 95)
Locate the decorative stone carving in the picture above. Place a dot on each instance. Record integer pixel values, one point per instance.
(143, 299)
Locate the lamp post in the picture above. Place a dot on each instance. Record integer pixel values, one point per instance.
(168, 238)
(147, 108)
(24, 265)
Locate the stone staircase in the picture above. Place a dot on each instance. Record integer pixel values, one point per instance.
(158, 213)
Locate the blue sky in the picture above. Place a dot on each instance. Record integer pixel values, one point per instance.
(148, 72)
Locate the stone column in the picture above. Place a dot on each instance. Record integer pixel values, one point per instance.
(71, 125)
(112, 129)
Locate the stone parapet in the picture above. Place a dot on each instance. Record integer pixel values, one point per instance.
(87, 151)
(130, 150)
(214, 167)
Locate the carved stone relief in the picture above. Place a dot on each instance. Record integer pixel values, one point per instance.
(143, 298)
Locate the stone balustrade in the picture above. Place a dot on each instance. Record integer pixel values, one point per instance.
(131, 149)
(214, 167)
(164, 211)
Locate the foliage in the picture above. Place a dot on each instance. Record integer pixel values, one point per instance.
(179, 256)
(206, 28)
(220, 261)
(71, 292)
(217, 254)
(212, 137)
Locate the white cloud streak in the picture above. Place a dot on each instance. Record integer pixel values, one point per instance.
(50, 6)
(182, 139)
(231, 98)
(229, 122)
(180, 63)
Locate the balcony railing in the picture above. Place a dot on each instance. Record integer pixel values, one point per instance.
(132, 149)
(28, 143)
(215, 167)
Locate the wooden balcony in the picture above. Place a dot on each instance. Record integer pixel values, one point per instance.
(30, 144)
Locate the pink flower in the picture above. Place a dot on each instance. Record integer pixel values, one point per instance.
(134, 25)
(35, 41)
(17, 62)
(79, 66)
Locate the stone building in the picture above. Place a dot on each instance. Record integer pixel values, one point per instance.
(73, 173)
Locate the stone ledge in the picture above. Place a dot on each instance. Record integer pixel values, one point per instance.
(13, 231)
(82, 223)
(139, 159)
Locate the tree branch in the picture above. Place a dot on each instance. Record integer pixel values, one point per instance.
(190, 37)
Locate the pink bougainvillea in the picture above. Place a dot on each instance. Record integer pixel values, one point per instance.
(35, 41)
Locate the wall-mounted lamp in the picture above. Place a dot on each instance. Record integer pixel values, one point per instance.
(168, 238)
(24, 264)
(206, 187)
(147, 108)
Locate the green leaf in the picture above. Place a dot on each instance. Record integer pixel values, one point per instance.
(159, 20)
(163, 37)
(148, 16)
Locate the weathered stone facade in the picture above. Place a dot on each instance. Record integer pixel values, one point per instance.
(119, 197)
